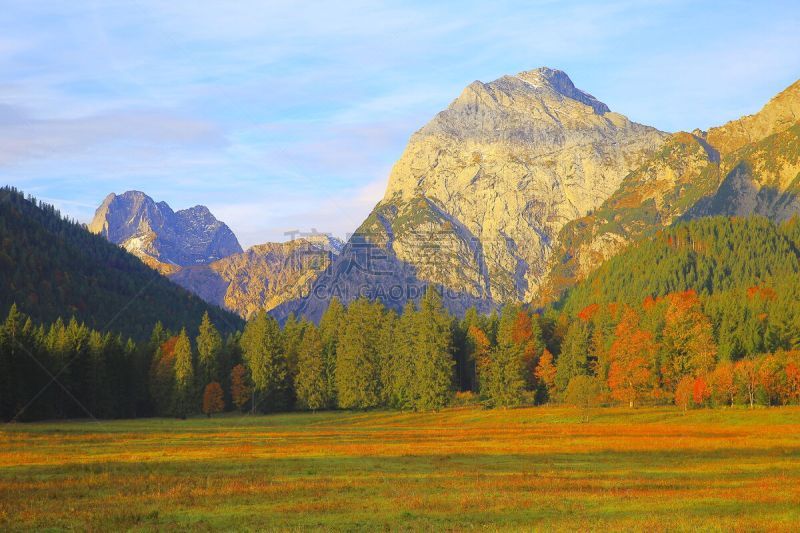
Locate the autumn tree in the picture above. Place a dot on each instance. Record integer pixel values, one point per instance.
(526, 333)
(546, 373)
(481, 353)
(184, 397)
(583, 392)
(241, 388)
(631, 355)
(213, 399)
(792, 371)
(683, 392)
(723, 385)
(746, 374)
(700, 391)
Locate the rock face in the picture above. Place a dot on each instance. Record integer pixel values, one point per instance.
(164, 239)
(479, 195)
(200, 253)
(745, 167)
(263, 277)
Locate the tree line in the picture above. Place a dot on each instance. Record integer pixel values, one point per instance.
(665, 350)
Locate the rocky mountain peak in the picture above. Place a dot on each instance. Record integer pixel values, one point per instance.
(558, 81)
(161, 237)
(477, 199)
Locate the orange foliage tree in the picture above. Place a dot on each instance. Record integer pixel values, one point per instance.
(213, 399)
(683, 392)
(631, 354)
(723, 385)
(546, 373)
(522, 334)
(792, 393)
(482, 346)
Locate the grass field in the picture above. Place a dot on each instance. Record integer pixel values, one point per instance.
(457, 469)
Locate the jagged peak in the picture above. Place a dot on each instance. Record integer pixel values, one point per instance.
(559, 81)
(540, 79)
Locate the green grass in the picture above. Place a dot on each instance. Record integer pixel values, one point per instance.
(458, 469)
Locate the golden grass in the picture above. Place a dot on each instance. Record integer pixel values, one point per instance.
(458, 469)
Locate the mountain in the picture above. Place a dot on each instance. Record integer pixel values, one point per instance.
(52, 267)
(478, 197)
(200, 253)
(747, 166)
(262, 277)
(161, 237)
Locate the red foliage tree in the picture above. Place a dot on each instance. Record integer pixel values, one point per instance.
(241, 389)
(213, 399)
(700, 391)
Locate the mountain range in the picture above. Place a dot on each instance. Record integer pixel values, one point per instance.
(518, 190)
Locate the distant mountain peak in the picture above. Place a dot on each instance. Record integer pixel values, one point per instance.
(160, 236)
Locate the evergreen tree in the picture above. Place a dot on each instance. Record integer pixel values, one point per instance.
(574, 357)
(209, 350)
(184, 397)
(433, 358)
(330, 327)
(262, 344)
(357, 359)
(503, 381)
(311, 384)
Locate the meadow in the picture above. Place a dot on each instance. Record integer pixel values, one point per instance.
(457, 469)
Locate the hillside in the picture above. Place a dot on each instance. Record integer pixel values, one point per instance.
(746, 271)
(749, 166)
(53, 267)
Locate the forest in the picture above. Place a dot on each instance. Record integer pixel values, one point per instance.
(655, 326)
(704, 314)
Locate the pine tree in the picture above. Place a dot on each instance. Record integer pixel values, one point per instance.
(574, 357)
(262, 343)
(310, 381)
(433, 359)
(184, 376)
(503, 380)
(209, 350)
(330, 327)
(357, 359)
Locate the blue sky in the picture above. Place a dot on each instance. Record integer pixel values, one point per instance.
(288, 115)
